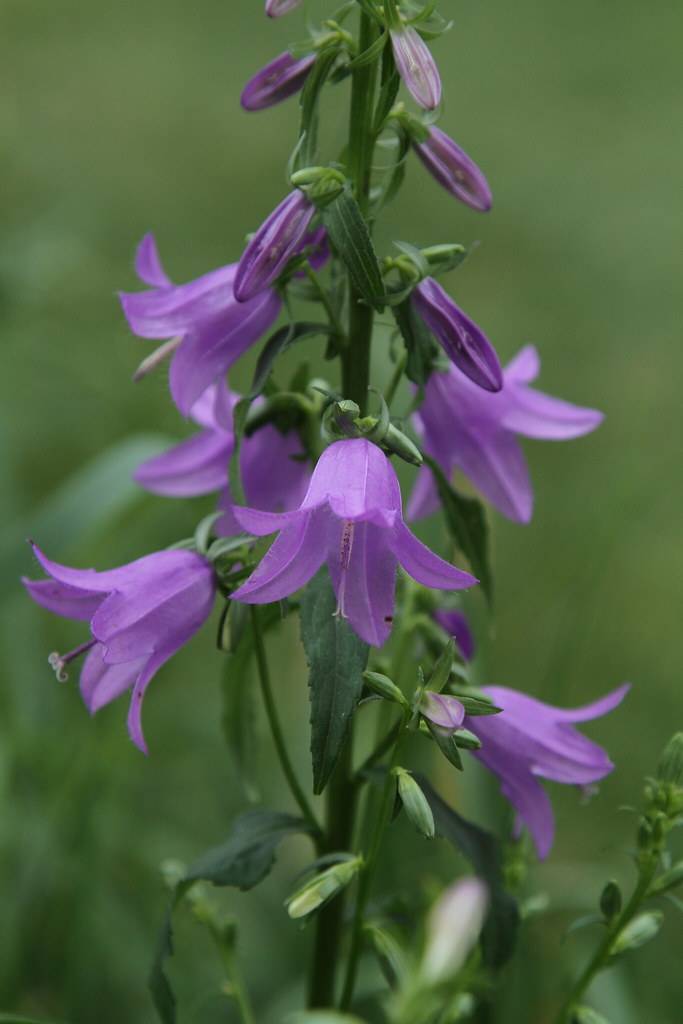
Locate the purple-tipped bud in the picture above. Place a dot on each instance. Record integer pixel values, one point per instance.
(276, 81)
(280, 237)
(464, 343)
(446, 712)
(416, 67)
(457, 625)
(454, 170)
(276, 8)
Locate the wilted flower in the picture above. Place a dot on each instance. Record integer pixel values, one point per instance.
(416, 66)
(278, 80)
(453, 928)
(281, 236)
(457, 625)
(465, 428)
(276, 8)
(273, 469)
(140, 615)
(212, 328)
(530, 739)
(454, 169)
(351, 519)
(464, 343)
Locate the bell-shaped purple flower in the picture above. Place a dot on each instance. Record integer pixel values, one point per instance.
(351, 519)
(273, 467)
(140, 615)
(277, 81)
(531, 740)
(281, 236)
(416, 66)
(454, 169)
(212, 328)
(465, 428)
(276, 8)
(464, 343)
(457, 625)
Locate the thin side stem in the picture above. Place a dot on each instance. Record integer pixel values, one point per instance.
(237, 988)
(276, 727)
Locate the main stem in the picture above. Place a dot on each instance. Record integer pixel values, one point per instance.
(355, 372)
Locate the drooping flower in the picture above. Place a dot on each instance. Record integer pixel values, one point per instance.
(273, 468)
(212, 329)
(351, 519)
(280, 237)
(464, 343)
(416, 66)
(457, 625)
(277, 81)
(140, 614)
(531, 740)
(471, 430)
(276, 8)
(454, 169)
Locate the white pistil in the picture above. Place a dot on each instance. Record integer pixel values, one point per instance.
(345, 548)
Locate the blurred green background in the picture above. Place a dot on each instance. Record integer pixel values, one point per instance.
(121, 118)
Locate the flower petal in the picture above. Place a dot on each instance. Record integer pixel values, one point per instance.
(494, 462)
(525, 793)
(535, 414)
(275, 472)
(456, 624)
(424, 497)
(198, 465)
(101, 683)
(69, 602)
(358, 481)
(141, 572)
(524, 367)
(365, 587)
(148, 265)
(290, 562)
(423, 565)
(165, 312)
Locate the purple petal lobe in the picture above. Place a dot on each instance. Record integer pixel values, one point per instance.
(69, 602)
(278, 80)
(416, 67)
(101, 683)
(290, 563)
(524, 367)
(148, 265)
(533, 414)
(424, 566)
(363, 571)
(165, 312)
(278, 239)
(454, 169)
(276, 8)
(445, 711)
(198, 465)
(275, 474)
(457, 625)
(358, 481)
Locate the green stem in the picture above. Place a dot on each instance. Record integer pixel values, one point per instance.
(237, 988)
(276, 728)
(601, 956)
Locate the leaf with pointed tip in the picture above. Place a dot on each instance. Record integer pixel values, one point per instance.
(278, 343)
(350, 236)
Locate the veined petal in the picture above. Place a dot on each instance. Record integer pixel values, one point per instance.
(69, 602)
(423, 565)
(269, 250)
(524, 367)
(535, 414)
(280, 78)
(528, 797)
(358, 481)
(141, 572)
(416, 67)
(424, 497)
(148, 265)
(292, 560)
(101, 683)
(261, 523)
(198, 465)
(275, 472)
(494, 462)
(215, 406)
(363, 574)
(454, 169)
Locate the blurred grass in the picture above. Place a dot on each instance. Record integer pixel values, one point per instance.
(121, 118)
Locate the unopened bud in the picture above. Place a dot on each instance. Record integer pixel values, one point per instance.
(321, 184)
(444, 711)
(323, 887)
(639, 931)
(442, 258)
(670, 767)
(385, 687)
(610, 900)
(415, 803)
(453, 928)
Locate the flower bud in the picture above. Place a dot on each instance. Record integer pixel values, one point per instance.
(465, 344)
(637, 932)
(321, 184)
(454, 170)
(278, 239)
(415, 803)
(281, 78)
(453, 928)
(385, 687)
(610, 900)
(276, 8)
(444, 711)
(416, 66)
(323, 887)
(442, 258)
(670, 767)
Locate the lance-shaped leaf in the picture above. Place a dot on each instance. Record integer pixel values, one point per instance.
(242, 861)
(278, 343)
(483, 852)
(350, 237)
(336, 659)
(420, 345)
(466, 522)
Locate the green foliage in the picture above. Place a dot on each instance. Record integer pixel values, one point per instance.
(277, 344)
(350, 237)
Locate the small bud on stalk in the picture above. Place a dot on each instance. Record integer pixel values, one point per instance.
(323, 887)
(415, 803)
(416, 66)
(277, 81)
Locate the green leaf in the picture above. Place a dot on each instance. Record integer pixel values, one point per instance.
(466, 522)
(242, 861)
(336, 659)
(370, 55)
(586, 1015)
(442, 670)
(420, 345)
(483, 852)
(304, 154)
(350, 237)
(239, 422)
(322, 1017)
(392, 957)
(278, 343)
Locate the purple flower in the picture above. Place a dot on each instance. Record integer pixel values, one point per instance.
(212, 328)
(471, 430)
(139, 614)
(531, 740)
(281, 236)
(457, 625)
(464, 343)
(276, 8)
(416, 66)
(351, 519)
(454, 170)
(278, 80)
(273, 469)
(444, 711)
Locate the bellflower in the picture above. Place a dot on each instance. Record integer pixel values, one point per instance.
(273, 469)
(276, 8)
(456, 624)
(277, 81)
(464, 343)
(454, 169)
(351, 519)
(531, 740)
(416, 66)
(281, 236)
(212, 329)
(471, 430)
(140, 615)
